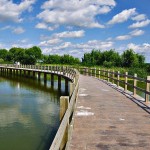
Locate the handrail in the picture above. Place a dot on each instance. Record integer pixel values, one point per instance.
(64, 71)
(64, 123)
(114, 76)
(59, 141)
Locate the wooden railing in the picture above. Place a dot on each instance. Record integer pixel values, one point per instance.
(65, 71)
(67, 103)
(66, 112)
(121, 79)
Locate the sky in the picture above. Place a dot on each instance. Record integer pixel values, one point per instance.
(76, 27)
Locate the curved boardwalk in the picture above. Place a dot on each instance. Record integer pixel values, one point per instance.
(105, 119)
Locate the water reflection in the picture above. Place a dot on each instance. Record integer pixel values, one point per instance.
(29, 113)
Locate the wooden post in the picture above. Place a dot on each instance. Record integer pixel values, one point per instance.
(72, 86)
(24, 72)
(20, 72)
(126, 81)
(7, 70)
(64, 102)
(29, 73)
(91, 72)
(39, 75)
(118, 78)
(113, 76)
(99, 72)
(45, 77)
(147, 89)
(52, 80)
(95, 72)
(66, 85)
(87, 71)
(108, 77)
(16, 71)
(59, 82)
(33, 74)
(134, 84)
(103, 74)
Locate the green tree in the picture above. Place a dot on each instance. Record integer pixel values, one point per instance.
(68, 59)
(128, 58)
(33, 55)
(3, 53)
(131, 59)
(16, 54)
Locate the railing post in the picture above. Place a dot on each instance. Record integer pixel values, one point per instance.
(99, 72)
(113, 76)
(126, 81)
(118, 78)
(134, 84)
(72, 86)
(103, 74)
(84, 71)
(95, 72)
(59, 82)
(64, 103)
(147, 89)
(87, 71)
(108, 75)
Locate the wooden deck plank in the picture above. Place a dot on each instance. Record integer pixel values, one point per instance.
(105, 119)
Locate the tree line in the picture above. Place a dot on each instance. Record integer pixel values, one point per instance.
(24, 56)
(57, 59)
(34, 55)
(112, 58)
(109, 58)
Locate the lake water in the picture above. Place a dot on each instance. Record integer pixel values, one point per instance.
(29, 113)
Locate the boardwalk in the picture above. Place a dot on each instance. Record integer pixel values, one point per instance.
(105, 119)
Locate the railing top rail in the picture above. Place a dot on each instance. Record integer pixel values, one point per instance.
(64, 71)
(59, 135)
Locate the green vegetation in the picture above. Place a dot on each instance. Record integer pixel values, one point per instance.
(56, 59)
(25, 56)
(129, 61)
(112, 58)
(34, 55)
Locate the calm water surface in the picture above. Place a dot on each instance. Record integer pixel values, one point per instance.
(29, 113)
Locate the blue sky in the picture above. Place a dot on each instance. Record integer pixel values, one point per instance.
(76, 26)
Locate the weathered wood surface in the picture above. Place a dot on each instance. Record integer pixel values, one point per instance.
(106, 119)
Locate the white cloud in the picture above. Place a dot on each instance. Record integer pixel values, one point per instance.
(21, 45)
(18, 30)
(139, 48)
(123, 37)
(123, 16)
(79, 49)
(75, 12)
(10, 11)
(139, 17)
(50, 42)
(56, 38)
(134, 33)
(137, 32)
(41, 26)
(140, 24)
(24, 41)
(142, 49)
(69, 34)
(45, 26)
(5, 28)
